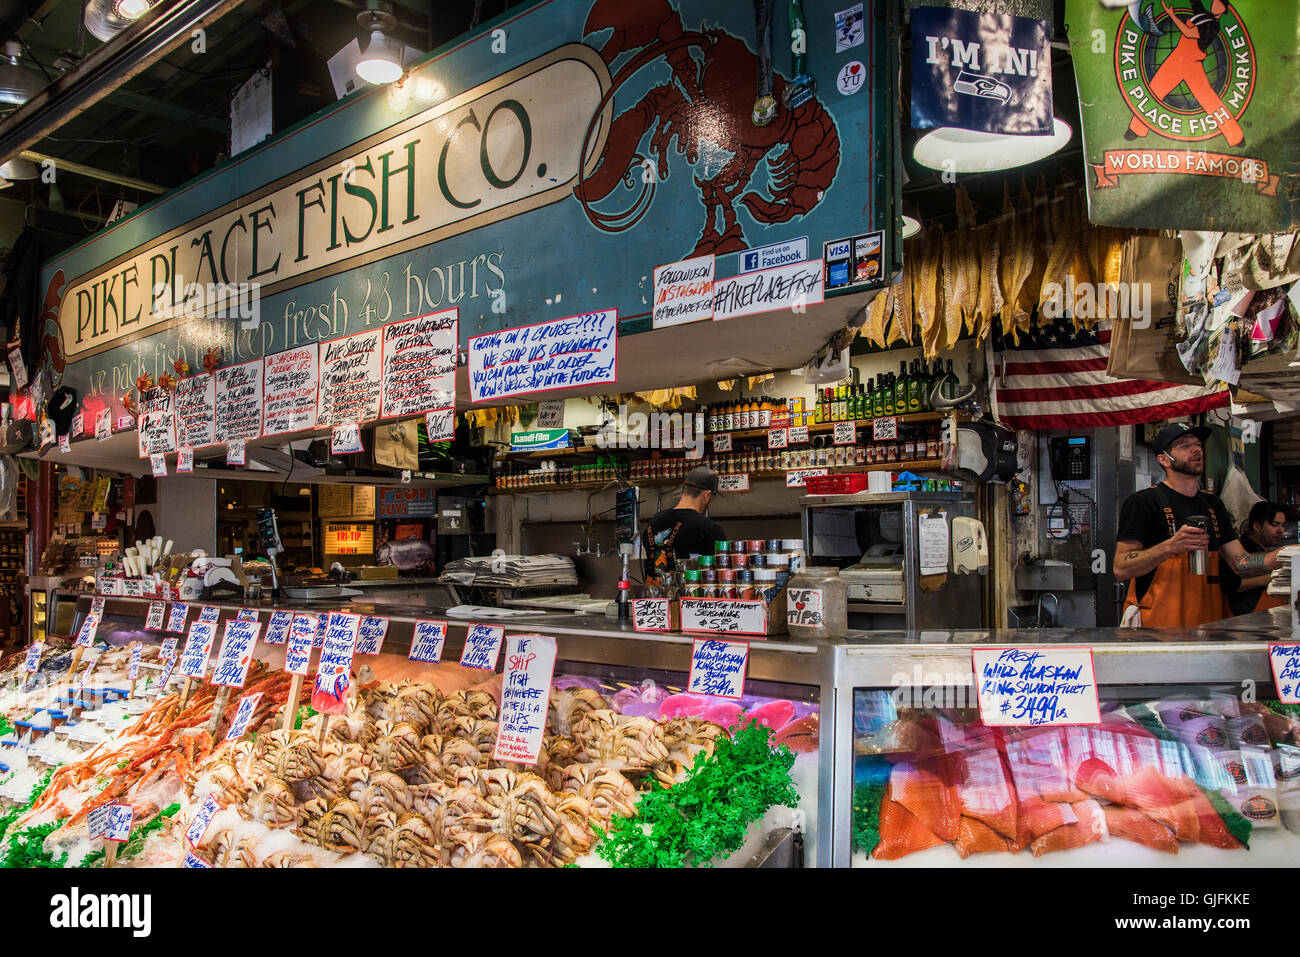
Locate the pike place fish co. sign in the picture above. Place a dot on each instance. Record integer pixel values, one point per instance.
(495, 151)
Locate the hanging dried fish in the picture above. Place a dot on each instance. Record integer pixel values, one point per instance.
(1039, 231)
(925, 293)
(966, 282)
(879, 313)
(953, 285)
(989, 300)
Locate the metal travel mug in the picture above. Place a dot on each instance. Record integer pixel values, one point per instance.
(1196, 561)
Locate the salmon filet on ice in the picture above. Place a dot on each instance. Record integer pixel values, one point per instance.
(900, 832)
(1091, 826)
(1132, 825)
(976, 837)
(926, 789)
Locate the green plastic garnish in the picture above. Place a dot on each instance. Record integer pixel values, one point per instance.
(867, 799)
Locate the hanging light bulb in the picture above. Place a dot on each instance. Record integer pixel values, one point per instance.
(19, 168)
(911, 219)
(131, 9)
(381, 60)
(17, 83)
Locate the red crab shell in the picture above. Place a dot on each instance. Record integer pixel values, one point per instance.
(144, 384)
(211, 359)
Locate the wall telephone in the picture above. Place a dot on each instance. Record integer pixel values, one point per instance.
(1070, 457)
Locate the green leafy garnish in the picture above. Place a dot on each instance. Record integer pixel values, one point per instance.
(708, 814)
(867, 799)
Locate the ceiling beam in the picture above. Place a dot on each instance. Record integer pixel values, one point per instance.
(105, 69)
(140, 103)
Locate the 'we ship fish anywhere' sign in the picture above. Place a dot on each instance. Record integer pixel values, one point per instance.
(525, 694)
(1020, 687)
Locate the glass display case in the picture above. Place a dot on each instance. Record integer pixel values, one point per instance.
(620, 725)
(1194, 761)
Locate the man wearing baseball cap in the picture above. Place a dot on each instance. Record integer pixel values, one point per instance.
(684, 530)
(1163, 530)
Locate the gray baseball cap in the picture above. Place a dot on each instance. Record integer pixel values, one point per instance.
(702, 478)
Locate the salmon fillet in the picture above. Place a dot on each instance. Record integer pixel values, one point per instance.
(1090, 827)
(1132, 825)
(1038, 817)
(927, 791)
(984, 790)
(900, 832)
(976, 837)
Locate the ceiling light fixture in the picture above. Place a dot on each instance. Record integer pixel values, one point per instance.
(17, 83)
(952, 149)
(911, 219)
(19, 168)
(381, 60)
(131, 9)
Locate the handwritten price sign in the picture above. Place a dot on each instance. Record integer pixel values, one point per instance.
(884, 428)
(112, 822)
(235, 452)
(86, 634)
(1285, 661)
(166, 676)
(525, 694)
(795, 478)
(727, 615)
(733, 483)
(722, 442)
(798, 434)
(176, 620)
(210, 613)
(185, 460)
(297, 654)
(243, 715)
(277, 629)
(427, 641)
(154, 620)
(202, 820)
(247, 614)
(371, 637)
(194, 659)
(346, 439)
(158, 463)
(482, 647)
(236, 653)
(193, 860)
(133, 669)
(718, 667)
(167, 649)
(329, 694)
(778, 438)
(96, 606)
(1021, 687)
(846, 433)
(32, 661)
(651, 614)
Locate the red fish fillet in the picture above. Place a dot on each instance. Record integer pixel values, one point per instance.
(1090, 827)
(926, 789)
(976, 837)
(1133, 825)
(900, 832)
(1039, 816)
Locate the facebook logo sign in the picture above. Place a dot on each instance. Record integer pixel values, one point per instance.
(770, 257)
(750, 262)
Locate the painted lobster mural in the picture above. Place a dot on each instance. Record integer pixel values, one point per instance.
(709, 100)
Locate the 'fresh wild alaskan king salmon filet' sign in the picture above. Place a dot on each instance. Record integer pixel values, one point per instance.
(461, 164)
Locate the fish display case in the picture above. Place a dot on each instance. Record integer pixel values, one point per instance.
(404, 776)
(1194, 762)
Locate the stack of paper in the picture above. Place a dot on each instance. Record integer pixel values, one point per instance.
(511, 571)
(1280, 583)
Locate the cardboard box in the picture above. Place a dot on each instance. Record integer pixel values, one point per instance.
(375, 572)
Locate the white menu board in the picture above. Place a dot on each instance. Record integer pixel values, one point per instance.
(239, 401)
(157, 432)
(351, 376)
(289, 382)
(196, 412)
(419, 365)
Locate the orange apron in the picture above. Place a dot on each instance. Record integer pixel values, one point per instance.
(1176, 597)
(1267, 601)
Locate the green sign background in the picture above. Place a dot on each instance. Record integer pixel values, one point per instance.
(1212, 135)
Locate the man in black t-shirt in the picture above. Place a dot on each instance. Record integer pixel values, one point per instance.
(684, 531)
(1154, 537)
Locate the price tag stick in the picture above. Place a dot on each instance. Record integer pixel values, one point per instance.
(110, 853)
(218, 709)
(291, 703)
(324, 727)
(185, 692)
(76, 660)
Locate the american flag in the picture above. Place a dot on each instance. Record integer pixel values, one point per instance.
(1055, 378)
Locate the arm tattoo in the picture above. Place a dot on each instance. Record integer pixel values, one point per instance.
(1248, 566)
(1132, 555)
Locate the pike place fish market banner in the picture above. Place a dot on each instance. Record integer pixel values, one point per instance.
(535, 170)
(1191, 115)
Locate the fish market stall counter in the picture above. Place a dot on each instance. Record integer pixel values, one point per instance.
(406, 774)
(1194, 761)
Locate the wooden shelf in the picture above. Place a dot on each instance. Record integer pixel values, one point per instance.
(919, 465)
(913, 418)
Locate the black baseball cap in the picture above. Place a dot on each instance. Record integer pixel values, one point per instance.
(702, 478)
(62, 408)
(1171, 433)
